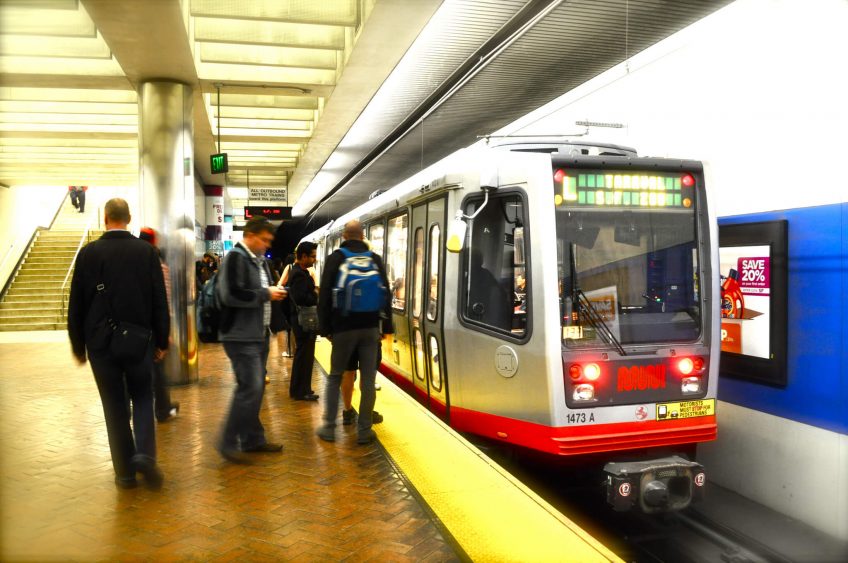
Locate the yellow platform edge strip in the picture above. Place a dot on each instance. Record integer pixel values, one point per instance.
(489, 513)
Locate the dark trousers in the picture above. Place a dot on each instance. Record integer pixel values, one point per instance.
(300, 384)
(161, 394)
(242, 426)
(115, 380)
(81, 201)
(73, 195)
(364, 342)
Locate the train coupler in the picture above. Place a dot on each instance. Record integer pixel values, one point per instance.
(658, 485)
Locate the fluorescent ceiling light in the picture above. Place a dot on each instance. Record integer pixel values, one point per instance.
(337, 12)
(268, 55)
(269, 33)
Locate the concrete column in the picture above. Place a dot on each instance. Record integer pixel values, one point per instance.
(166, 170)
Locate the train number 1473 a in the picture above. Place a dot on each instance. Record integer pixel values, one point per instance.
(580, 418)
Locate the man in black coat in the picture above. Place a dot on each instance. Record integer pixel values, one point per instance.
(133, 291)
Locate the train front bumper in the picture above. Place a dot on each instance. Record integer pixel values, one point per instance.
(658, 485)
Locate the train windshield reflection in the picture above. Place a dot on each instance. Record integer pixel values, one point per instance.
(638, 269)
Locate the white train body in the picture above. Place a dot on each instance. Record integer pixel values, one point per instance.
(579, 329)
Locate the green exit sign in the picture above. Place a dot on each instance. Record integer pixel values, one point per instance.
(219, 163)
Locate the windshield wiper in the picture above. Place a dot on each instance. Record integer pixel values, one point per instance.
(591, 314)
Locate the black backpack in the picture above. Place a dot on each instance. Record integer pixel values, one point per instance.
(208, 311)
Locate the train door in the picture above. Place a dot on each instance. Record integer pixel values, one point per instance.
(425, 318)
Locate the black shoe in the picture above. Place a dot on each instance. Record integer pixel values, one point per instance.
(126, 482)
(172, 412)
(309, 397)
(267, 447)
(235, 456)
(348, 416)
(366, 438)
(146, 465)
(376, 418)
(327, 433)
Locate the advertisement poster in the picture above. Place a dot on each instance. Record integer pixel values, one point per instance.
(745, 299)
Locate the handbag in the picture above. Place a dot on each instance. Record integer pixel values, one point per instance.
(128, 342)
(307, 316)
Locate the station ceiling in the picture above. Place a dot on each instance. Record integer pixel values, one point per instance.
(311, 93)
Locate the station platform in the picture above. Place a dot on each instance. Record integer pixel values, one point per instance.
(314, 502)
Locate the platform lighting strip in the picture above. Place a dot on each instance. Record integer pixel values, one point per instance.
(626, 190)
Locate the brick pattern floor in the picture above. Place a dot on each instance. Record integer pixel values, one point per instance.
(314, 502)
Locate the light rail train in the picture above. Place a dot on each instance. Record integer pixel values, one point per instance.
(560, 297)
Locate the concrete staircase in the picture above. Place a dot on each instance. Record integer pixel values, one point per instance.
(36, 299)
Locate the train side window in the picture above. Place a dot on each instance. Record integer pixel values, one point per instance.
(494, 284)
(396, 237)
(375, 236)
(433, 286)
(435, 372)
(417, 272)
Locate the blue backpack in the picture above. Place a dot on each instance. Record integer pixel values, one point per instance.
(359, 286)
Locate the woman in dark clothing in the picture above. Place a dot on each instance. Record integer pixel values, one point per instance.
(303, 293)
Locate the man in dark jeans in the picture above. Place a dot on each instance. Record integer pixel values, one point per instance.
(303, 294)
(119, 277)
(358, 332)
(245, 287)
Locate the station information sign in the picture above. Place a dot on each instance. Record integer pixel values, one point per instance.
(218, 163)
(272, 212)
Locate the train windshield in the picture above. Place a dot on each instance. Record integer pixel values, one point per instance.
(627, 257)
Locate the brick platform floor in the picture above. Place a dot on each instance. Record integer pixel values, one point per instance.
(314, 502)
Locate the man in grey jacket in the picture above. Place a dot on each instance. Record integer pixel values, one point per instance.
(245, 288)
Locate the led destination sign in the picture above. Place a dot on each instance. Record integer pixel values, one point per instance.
(272, 212)
(607, 189)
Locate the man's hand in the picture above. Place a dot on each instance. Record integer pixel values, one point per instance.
(159, 354)
(80, 358)
(388, 338)
(277, 293)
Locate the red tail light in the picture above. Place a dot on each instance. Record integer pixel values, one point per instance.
(575, 371)
(687, 180)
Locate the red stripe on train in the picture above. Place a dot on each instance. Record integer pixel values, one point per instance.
(438, 407)
(586, 439)
(569, 440)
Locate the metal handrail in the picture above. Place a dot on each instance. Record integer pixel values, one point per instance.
(71, 267)
(6, 257)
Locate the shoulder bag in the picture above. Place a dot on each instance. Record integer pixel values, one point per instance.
(128, 342)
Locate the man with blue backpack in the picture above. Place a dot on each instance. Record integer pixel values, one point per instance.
(353, 312)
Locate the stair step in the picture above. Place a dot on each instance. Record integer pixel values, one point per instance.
(26, 299)
(32, 305)
(39, 260)
(38, 285)
(34, 277)
(24, 315)
(20, 319)
(44, 267)
(16, 327)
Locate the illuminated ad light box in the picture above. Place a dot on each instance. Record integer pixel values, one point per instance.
(272, 212)
(218, 163)
(752, 264)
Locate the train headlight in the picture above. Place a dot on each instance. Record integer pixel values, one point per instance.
(686, 366)
(690, 384)
(584, 392)
(592, 372)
